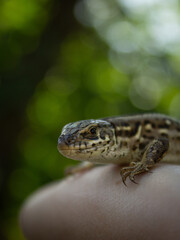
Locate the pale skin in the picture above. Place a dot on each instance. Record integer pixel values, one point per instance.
(96, 205)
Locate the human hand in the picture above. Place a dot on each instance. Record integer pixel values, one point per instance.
(96, 205)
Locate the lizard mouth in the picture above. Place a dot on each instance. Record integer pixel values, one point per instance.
(63, 148)
(65, 145)
(68, 149)
(74, 153)
(83, 154)
(72, 148)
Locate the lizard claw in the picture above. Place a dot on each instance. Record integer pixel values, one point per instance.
(124, 175)
(134, 169)
(131, 177)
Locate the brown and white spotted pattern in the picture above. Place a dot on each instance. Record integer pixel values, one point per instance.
(119, 140)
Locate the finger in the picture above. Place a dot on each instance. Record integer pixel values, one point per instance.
(93, 206)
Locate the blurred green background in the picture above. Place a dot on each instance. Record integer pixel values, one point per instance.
(63, 61)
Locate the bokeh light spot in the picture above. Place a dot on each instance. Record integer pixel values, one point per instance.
(20, 14)
(145, 93)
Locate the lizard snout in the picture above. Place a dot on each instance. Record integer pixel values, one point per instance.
(65, 141)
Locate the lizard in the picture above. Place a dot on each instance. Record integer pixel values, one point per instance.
(138, 141)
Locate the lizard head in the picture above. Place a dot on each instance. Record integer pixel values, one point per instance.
(86, 140)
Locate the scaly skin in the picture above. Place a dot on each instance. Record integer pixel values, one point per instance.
(140, 141)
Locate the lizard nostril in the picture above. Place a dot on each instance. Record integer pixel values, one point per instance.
(64, 142)
(67, 140)
(63, 139)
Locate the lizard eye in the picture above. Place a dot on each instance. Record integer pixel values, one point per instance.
(93, 130)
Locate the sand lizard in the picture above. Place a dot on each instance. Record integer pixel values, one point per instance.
(140, 141)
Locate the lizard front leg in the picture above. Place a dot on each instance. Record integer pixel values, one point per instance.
(154, 152)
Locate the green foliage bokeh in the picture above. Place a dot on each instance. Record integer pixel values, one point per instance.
(89, 79)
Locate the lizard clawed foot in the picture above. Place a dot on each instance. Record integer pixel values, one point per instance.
(134, 169)
(154, 152)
